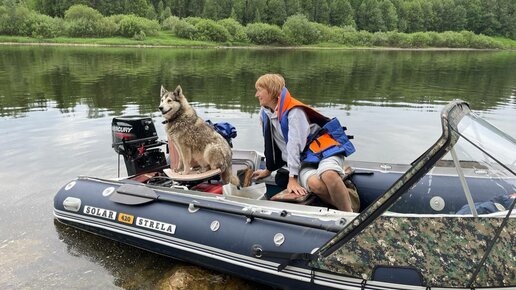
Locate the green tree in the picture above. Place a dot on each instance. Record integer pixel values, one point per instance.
(389, 15)
(112, 7)
(262, 33)
(293, 7)
(458, 14)
(151, 13)
(13, 19)
(225, 8)
(82, 12)
(316, 10)
(54, 8)
(178, 8)
(490, 23)
(439, 13)
(355, 4)
(257, 17)
(256, 10)
(369, 16)
(507, 18)
(341, 13)
(239, 7)
(209, 30)
(322, 11)
(308, 9)
(159, 9)
(450, 15)
(195, 8)
(233, 14)
(299, 30)
(217, 9)
(165, 14)
(246, 10)
(136, 7)
(234, 28)
(82, 21)
(428, 16)
(413, 16)
(211, 10)
(275, 12)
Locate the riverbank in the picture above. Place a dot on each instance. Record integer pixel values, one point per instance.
(163, 39)
(167, 39)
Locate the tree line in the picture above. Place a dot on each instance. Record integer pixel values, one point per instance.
(80, 20)
(489, 17)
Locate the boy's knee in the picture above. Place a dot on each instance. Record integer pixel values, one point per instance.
(330, 176)
(315, 184)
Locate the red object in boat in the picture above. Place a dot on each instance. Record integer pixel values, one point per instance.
(208, 187)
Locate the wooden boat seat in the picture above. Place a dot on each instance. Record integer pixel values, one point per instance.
(309, 198)
(286, 196)
(242, 167)
(188, 178)
(193, 176)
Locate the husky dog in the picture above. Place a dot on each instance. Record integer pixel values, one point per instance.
(195, 141)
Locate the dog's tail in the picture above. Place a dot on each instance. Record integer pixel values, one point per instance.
(227, 177)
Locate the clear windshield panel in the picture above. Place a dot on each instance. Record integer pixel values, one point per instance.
(490, 185)
(499, 145)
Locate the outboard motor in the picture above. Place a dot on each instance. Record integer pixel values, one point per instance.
(135, 138)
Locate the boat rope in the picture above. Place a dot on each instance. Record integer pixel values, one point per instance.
(492, 244)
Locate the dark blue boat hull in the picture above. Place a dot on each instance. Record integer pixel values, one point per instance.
(228, 248)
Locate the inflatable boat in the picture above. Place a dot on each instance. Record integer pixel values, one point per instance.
(445, 221)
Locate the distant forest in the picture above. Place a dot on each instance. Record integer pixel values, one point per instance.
(489, 17)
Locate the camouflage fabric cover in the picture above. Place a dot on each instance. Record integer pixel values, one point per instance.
(447, 140)
(500, 266)
(447, 250)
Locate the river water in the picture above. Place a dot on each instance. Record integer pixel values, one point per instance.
(56, 106)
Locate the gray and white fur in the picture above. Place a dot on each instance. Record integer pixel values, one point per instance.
(196, 142)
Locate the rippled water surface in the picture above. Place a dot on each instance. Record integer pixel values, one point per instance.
(56, 106)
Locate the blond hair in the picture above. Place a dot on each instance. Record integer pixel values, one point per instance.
(272, 83)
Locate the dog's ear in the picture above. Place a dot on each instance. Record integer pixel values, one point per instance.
(178, 92)
(163, 91)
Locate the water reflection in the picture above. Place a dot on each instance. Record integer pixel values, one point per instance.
(133, 268)
(130, 267)
(111, 78)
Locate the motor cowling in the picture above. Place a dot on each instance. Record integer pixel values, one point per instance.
(135, 138)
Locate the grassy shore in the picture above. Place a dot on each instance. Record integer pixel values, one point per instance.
(507, 42)
(168, 39)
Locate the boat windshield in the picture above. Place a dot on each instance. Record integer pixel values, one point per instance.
(425, 219)
(476, 175)
(491, 141)
(468, 171)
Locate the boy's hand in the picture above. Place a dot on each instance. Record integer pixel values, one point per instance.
(294, 187)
